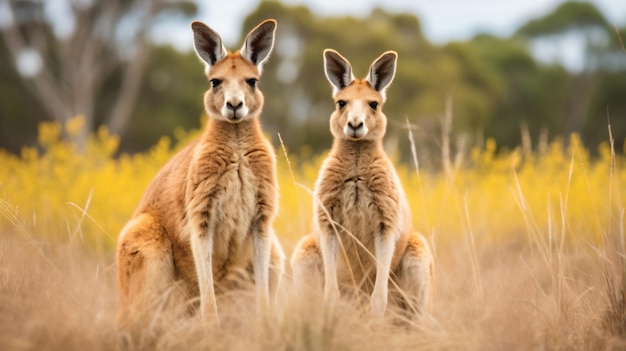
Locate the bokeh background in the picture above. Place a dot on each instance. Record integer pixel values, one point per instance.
(507, 122)
(539, 69)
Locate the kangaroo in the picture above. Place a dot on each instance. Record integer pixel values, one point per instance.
(362, 231)
(204, 224)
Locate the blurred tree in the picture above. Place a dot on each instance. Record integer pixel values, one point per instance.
(518, 90)
(571, 15)
(19, 113)
(494, 84)
(65, 61)
(301, 114)
(608, 98)
(171, 98)
(587, 23)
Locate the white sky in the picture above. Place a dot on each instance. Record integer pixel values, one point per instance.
(442, 20)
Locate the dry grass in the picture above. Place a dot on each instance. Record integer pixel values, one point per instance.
(54, 297)
(64, 297)
(529, 255)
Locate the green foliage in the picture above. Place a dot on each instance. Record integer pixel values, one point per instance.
(495, 84)
(571, 15)
(515, 88)
(171, 98)
(185, 7)
(589, 96)
(19, 114)
(607, 105)
(302, 111)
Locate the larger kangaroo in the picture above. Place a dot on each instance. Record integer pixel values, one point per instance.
(362, 223)
(205, 221)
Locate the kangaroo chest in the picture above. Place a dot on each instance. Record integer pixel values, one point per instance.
(356, 196)
(355, 208)
(236, 205)
(233, 194)
(358, 215)
(360, 197)
(242, 181)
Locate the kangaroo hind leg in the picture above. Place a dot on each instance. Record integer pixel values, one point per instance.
(277, 267)
(307, 266)
(414, 276)
(145, 274)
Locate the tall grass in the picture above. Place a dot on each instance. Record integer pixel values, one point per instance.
(529, 253)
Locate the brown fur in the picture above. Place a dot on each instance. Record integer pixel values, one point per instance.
(362, 226)
(204, 224)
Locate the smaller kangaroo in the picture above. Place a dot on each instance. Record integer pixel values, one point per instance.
(204, 225)
(362, 222)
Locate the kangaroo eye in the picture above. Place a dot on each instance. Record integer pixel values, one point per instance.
(341, 104)
(374, 104)
(251, 82)
(215, 83)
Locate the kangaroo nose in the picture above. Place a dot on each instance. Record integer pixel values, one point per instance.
(233, 107)
(355, 127)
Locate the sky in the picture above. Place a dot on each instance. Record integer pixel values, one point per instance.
(442, 20)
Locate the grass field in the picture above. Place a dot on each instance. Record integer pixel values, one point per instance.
(529, 253)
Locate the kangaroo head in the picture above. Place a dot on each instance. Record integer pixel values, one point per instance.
(233, 95)
(358, 102)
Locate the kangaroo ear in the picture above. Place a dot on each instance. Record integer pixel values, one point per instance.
(338, 70)
(382, 71)
(207, 43)
(259, 43)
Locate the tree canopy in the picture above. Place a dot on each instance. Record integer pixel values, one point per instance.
(94, 67)
(496, 86)
(572, 15)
